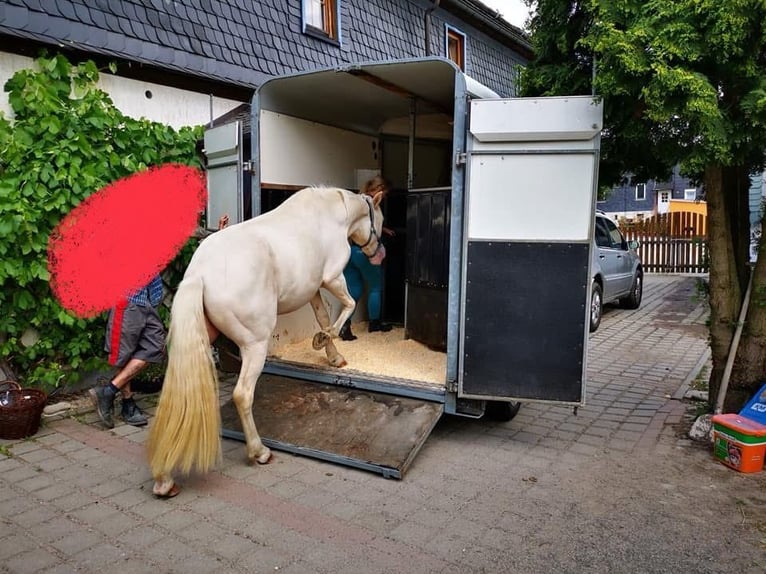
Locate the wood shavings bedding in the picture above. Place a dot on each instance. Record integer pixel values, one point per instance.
(382, 354)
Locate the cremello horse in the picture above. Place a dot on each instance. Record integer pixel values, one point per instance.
(237, 282)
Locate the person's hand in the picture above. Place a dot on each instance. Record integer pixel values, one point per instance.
(388, 231)
(223, 221)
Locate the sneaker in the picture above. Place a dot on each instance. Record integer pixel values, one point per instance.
(131, 414)
(104, 403)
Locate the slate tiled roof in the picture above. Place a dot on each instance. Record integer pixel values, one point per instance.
(243, 42)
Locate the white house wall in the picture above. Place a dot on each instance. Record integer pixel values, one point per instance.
(170, 106)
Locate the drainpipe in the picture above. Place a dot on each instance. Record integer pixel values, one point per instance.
(427, 23)
(733, 348)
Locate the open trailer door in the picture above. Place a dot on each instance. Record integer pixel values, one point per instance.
(530, 196)
(225, 173)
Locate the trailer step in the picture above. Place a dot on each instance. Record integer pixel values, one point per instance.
(372, 431)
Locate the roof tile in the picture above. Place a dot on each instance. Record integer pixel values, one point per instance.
(39, 22)
(140, 12)
(96, 37)
(67, 10)
(83, 14)
(115, 8)
(115, 42)
(162, 37)
(149, 51)
(125, 26)
(112, 22)
(129, 10)
(34, 5)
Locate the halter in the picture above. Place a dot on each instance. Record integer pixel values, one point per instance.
(373, 234)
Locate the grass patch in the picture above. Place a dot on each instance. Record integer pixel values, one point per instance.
(700, 382)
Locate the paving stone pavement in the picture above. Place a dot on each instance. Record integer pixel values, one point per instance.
(604, 490)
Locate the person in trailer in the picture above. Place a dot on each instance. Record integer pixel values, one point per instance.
(362, 272)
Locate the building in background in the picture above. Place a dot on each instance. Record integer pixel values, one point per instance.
(183, 63)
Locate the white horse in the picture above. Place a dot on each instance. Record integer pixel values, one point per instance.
(237, 282)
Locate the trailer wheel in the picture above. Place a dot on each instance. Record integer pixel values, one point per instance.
(501, 411)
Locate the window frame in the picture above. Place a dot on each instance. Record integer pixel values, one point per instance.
(452, 32)
(643, 192)
(330, 33)
(690, 190)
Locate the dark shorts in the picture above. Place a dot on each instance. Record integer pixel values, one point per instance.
(134, 332)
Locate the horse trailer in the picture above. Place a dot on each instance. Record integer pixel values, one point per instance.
(487, 278)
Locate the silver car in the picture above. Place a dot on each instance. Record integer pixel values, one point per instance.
(617, 271)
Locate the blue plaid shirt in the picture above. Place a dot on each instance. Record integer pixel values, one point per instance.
(149, 295)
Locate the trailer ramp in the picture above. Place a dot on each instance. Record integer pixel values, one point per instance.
(368, 430)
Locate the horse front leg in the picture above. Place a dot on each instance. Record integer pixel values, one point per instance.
(339, 288)
(253, 358)
(324, 338)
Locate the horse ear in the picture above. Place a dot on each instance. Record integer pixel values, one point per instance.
(377, 198)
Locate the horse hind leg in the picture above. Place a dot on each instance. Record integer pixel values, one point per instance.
(323, 339)
(253, 358)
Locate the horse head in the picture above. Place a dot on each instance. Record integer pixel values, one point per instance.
(367, 231)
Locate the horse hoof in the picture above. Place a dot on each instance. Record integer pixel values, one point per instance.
(165, 488)
(340, 363)
(320, 340)
(265, 458)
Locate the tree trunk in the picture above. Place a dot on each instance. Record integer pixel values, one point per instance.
(736, 190)
(725, 290)
(749, 372)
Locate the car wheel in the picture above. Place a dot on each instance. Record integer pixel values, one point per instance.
(633, 301)
(596, 306)
(501, 411)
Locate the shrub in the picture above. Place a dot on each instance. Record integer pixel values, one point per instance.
(65, 141)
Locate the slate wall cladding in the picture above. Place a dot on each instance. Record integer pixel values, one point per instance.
(623, 197)
(242, 42)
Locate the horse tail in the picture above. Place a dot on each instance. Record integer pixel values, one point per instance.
(185, 433)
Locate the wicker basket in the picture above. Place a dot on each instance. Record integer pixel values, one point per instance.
(20, 410)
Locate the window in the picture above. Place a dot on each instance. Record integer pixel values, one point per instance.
(690, 194)
(602, 233)
(320, 18)
(640, 192)
(456, 47)
(615, 237)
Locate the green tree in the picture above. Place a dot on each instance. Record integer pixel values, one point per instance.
(66, 140)
(681, 81)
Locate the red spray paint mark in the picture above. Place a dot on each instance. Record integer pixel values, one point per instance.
(116, 240)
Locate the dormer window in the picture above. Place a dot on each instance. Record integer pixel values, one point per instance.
(320, 19)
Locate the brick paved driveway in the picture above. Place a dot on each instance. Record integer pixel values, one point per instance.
(612, 489)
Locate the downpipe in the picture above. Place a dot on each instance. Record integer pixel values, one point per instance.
(427, 25)
(733, 348)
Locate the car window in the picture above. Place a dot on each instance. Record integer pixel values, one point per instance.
(602, 233)
(615, 237)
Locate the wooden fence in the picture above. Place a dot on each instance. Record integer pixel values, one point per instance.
(671, 242)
